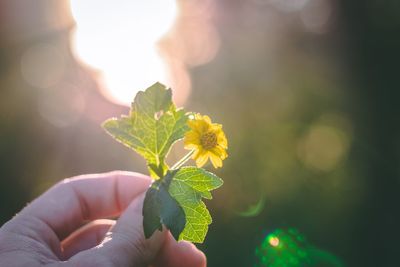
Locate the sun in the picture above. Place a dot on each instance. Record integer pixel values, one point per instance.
(119, 40)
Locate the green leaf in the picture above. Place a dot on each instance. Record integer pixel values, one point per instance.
(160, 208)
(188, 187)
(152, 127)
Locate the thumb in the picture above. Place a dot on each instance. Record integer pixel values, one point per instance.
(124, 244)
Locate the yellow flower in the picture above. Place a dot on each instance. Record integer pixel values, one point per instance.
(207, 140)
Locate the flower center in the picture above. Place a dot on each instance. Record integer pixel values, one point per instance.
(208, 140)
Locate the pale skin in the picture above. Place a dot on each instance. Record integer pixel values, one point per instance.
(66, 227)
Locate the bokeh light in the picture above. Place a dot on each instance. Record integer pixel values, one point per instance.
(326, 143)
(62, 113)
(283, 248)
(289, 5)
(42, 65)
(273, 241)
(316, 14)
(289, 248)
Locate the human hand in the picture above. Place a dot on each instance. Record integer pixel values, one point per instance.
(49, 231)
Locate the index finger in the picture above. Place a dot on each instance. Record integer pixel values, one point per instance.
(73, 201)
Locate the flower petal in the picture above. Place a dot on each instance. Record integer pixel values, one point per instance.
(219, 152)
(194, 125)
(216, 127)
(192, 146)
(216, 161)
(192, 137)
(198, 152)
(202, 159)
(222, 141)
(207, 119)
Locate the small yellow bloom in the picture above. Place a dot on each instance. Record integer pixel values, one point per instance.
(208, 141)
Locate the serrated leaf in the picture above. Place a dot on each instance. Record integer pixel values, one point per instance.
(151, 212)
(160, 208)
(152, 126)
(188, 187)
(198, 179)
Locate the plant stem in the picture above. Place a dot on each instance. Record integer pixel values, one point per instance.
(182, 160)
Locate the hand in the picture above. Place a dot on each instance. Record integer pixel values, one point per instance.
(49, 231)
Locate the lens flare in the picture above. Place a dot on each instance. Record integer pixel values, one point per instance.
(253, 210)
(283, 248)
(289, 248)
(273, 241)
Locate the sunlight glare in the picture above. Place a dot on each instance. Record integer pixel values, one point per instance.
(119, 40)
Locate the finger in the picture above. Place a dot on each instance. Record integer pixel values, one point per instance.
(73, 201)
(179, 254)
(162, 249)
(125, 244)
(86, 237)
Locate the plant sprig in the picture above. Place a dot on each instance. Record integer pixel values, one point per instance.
(174, 199)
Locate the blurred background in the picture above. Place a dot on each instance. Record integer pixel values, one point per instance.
(307, 91)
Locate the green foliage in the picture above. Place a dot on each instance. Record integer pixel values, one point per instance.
(160, 208)
(189, 185)
(175, 199)
(152, 126)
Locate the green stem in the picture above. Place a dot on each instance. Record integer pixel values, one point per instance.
(182, 160)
